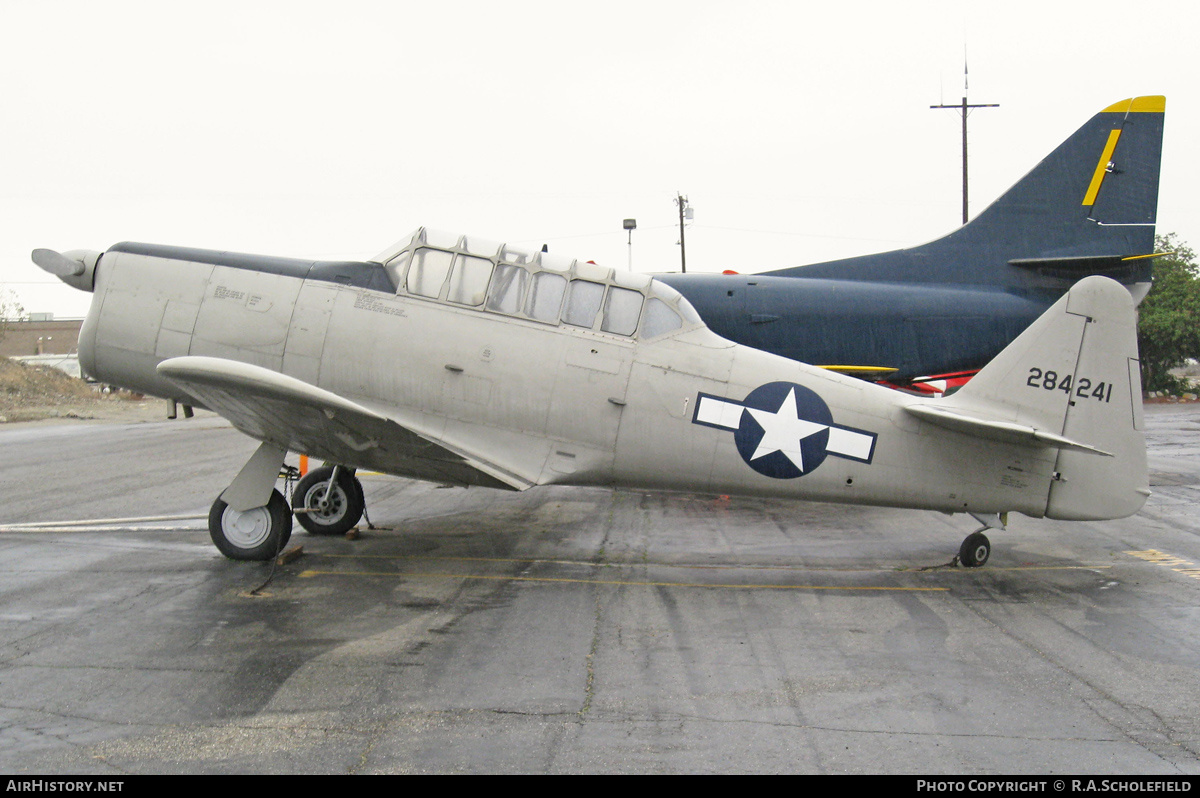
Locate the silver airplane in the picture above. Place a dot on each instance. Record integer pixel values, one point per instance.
(469, 362)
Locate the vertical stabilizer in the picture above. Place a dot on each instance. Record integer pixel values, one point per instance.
(1088, 208)
(1106, 409)
(1071, 381)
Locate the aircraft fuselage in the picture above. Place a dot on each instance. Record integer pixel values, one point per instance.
(555, 402)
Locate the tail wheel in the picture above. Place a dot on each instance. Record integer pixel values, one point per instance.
(259, 533)
(975, 550)
(332, 514)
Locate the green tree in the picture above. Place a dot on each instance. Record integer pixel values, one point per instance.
(1169, 316)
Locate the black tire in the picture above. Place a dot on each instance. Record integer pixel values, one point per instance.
(975, 550)
(256, 534)
(343, 509)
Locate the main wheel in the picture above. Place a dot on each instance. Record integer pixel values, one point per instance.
(975, 550)
(334, 514)
(259, 533)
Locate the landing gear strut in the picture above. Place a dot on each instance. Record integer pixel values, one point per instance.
(328, 500)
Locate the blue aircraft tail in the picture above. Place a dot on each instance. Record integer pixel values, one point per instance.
(1088, 208)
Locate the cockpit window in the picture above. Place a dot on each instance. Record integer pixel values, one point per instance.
(545, 296)
(469, 280)
(660, 319)
(395, 268)
(428, 271)
(508, 288)
(621, 311)
(583, 302)
(535, 286)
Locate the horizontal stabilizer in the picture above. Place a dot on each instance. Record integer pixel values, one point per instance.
(1126, 269)
(1082, 265)
(997, 430)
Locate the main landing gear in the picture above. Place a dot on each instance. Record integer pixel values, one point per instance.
(328, 500)
(259, 533)
(252, 521)
(976, 549)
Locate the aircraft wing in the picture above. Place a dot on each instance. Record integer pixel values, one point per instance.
(300, 417)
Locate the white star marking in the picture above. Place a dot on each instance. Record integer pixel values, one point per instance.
(783, 430)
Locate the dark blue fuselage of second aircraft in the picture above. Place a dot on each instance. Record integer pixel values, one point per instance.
(917, 330)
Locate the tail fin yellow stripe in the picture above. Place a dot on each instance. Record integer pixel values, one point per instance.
(1102, 167)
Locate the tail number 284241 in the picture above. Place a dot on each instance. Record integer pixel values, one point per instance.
(1083, 388)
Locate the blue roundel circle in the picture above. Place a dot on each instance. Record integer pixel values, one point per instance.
(784, 430)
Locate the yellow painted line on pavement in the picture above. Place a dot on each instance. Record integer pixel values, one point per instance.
(1050, 568)
(692, 566)
(593, 563)
(1177, 564)
(621, 582)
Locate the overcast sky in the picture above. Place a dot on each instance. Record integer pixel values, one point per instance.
(800, 132)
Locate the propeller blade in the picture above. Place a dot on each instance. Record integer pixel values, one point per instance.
(57, 264)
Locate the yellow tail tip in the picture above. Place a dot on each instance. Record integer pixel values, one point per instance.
(1155, 104)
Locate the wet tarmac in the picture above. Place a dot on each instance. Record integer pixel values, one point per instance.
(580, 630)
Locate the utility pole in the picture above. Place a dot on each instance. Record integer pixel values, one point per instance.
(684, 211)
(964, 109)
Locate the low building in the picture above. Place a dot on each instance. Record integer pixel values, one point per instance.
(40, 335)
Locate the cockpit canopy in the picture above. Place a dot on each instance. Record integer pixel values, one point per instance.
(472, 272)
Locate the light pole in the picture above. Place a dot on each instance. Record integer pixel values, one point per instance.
(630, 225)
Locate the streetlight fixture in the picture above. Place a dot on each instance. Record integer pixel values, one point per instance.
(630, 225)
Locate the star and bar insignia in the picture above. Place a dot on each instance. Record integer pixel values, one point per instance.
(784, 430)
